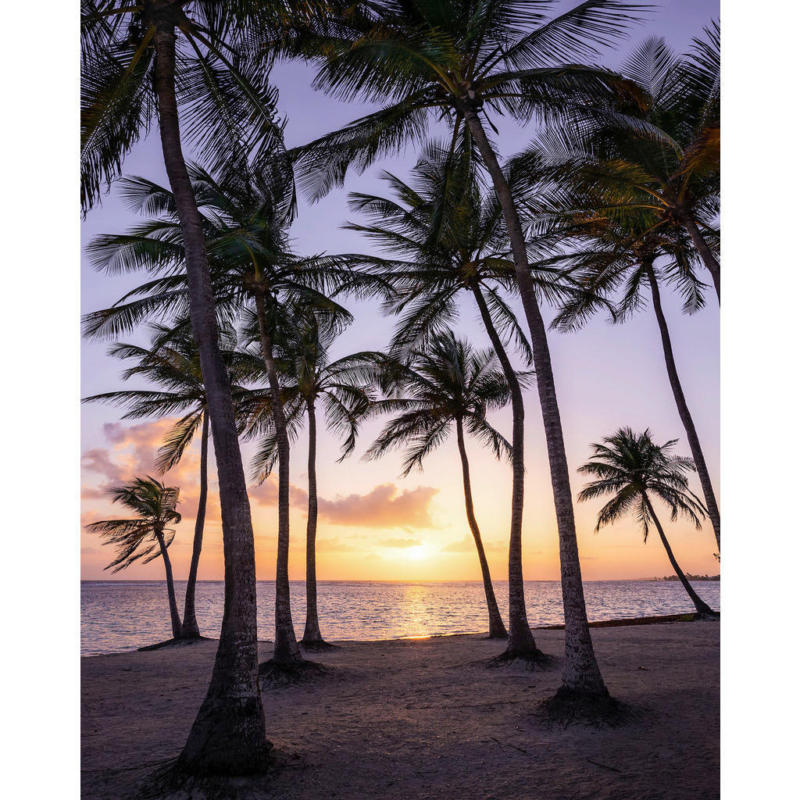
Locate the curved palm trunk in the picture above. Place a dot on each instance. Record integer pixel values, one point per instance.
(311, 634)
(286, 650)
(703, 249)
(228, 735)
(520, 638)
(701, 607)
(581, 672)
(190, 629)
(683, 408)
(173, 606)
(496, 628)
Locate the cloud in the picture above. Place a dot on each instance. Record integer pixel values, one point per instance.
(401, 543)
(467, 545)
(99, 461)
(382, 507)
(334, 545)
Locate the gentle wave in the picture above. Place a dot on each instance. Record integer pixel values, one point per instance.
(122, 615)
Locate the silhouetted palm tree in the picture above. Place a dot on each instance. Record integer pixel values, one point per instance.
(140, 63)
(146, 536)
(449, 384)
(173, 363)
(462, 60)
(443, 240)
(307, 377)
(633, 468)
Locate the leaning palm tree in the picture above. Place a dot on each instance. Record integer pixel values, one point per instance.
(448, 384)
(154, 60)
(146, 536)
(444, 240)
(634, 469)
(172, 362)
(463, 60)
(245, 219)
(309, 378)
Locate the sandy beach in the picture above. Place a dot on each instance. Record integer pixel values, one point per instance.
(427, 719)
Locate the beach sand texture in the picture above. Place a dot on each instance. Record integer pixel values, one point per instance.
(422, 719)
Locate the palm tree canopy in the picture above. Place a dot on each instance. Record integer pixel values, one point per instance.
(630, 466)
(307, 375)
(449, 381)
(136, 538)
(427, 59)
(222, 82)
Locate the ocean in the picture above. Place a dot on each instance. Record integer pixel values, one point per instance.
(117, 616)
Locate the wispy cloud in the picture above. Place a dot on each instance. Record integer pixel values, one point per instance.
(382, 507)
(467, 544)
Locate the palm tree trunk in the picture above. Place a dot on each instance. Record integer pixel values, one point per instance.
(701, 607)
(497, 630)
(173, 606)
(703, 249)
(683, 408)
(520, 638)
(190, 629)
(286, 650)
(311, 634)
(228, 735)
(581, 672)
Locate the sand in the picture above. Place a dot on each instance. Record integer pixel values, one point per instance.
(421, 719)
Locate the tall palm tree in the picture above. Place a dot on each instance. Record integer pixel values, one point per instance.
(307, 379)
(245, 220)
(173, 363)
(448, 384)
(634, 469)
(444, 240)
(146, 536)
(461, 60)
(149, 61)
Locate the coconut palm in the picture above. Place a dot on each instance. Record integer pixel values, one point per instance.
(309, 378)
(173, 363)
(448, 384)
(660, 158)
(151, 61)
(461, 61)
(245, 223)
(146, 536)
(634, 469)
(443, 240)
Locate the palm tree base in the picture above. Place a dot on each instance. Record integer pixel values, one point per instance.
(498, 634)
(274, 674)
(532, 659)
(574, 706)
(317, 645)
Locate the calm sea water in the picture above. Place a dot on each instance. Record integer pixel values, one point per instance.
(123, 615)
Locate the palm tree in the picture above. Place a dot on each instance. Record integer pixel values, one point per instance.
(459, 61)
(443, 240)
(146, 536)
(245, 221)
(660, 158)
(633, 468)
(307, 378)
(129, 54)
(172, 362)
(447, 384)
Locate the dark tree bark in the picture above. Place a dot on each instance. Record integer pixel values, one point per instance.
(581, 674)
(228, 736)
(701, 607)
(520, 638)
(286, 650)
(497, 630)
(311, 634)
(683, 408)
(703, 249)
(190, 629)
(173, 606)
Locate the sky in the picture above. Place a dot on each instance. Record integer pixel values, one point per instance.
(373, 524)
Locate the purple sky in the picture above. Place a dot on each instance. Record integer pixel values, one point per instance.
(606, 376)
